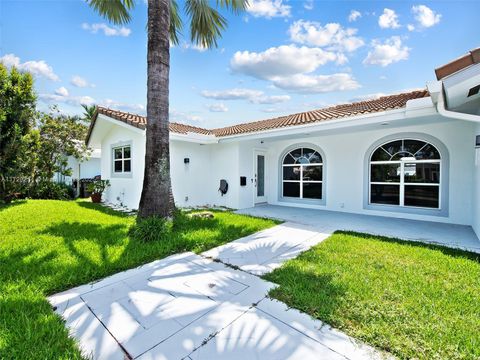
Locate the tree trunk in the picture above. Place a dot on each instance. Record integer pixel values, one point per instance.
(156, 199)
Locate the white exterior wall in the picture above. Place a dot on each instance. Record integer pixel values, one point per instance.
(197, 183)
(193, 184)
(124, 190)
(189, 181)
(346, 172)
(476, 188)
(80, 170)
(89, 168)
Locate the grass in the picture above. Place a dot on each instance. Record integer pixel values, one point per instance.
(415, 301)
(48, 246)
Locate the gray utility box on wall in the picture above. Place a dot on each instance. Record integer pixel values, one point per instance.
(477, 141)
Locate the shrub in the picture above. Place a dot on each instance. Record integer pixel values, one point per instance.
(51, 190)
(151, 229)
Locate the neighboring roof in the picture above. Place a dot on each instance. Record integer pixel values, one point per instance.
(473, 57)
(383, 103)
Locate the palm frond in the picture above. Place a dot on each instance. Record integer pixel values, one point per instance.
(176, 24)
(206, 23)
(115, 11)
(236, 6)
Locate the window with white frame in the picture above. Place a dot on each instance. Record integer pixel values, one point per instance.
(302, 174)
(405, 173)
(122, 159)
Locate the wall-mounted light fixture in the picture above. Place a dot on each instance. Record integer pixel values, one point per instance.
(186, 160)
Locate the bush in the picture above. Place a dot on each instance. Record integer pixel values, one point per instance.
(151, 229)
(51, 190)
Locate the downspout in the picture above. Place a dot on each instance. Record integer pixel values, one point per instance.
(437, 91)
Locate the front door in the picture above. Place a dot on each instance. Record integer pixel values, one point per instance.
(259, 180)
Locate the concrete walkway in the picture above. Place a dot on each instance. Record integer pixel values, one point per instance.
(188, 306)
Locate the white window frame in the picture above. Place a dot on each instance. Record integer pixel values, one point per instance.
(402, 182)
(301, 181)
(122, 173)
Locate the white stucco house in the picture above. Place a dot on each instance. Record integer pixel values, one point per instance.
(413, 155)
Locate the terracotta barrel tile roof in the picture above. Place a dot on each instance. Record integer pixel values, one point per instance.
(334, 112)
(141, 121)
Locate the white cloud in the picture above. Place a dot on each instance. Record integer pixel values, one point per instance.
(271, 110)
(388, 20)
(232, 94)
(218, 107)
(62, 96)
(71, 100)
(37, 68)
(308, 84)
(80, 82)
(411, 27)
(281, 61)
(107, 30)
(268, 8)
(273, 99)
(333, 35)
(289, 67)
(354, 15)
(184, 117)
(195, 47)
(425, 16)
(308, 4)
(10, 60)
(62, 91)
(138, 108)
(250, 95)
(388, 52)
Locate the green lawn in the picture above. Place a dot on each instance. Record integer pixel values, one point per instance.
(49, 246)
(413, 300)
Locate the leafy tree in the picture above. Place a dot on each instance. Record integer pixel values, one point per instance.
(164, 26)
(17, 112)
(59, 136)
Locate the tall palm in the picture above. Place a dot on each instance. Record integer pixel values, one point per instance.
(164, 26)
(89, 112)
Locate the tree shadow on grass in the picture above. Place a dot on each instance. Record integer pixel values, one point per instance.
(443, 249)
(101, 208)
(5, 206)
(95, 251)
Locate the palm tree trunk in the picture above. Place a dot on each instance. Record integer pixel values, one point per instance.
(156, 199)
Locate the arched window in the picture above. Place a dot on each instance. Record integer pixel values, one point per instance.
(302, 174)
(405, 173)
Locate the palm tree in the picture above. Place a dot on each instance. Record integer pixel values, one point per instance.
(89, 112)
(164, 26)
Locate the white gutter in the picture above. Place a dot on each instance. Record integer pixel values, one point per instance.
(436, 89)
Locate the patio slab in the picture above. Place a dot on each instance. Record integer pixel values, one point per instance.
(326, 222)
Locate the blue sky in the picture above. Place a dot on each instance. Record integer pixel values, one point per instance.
(280, 57)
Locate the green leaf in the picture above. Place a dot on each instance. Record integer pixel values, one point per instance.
(115, 11)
